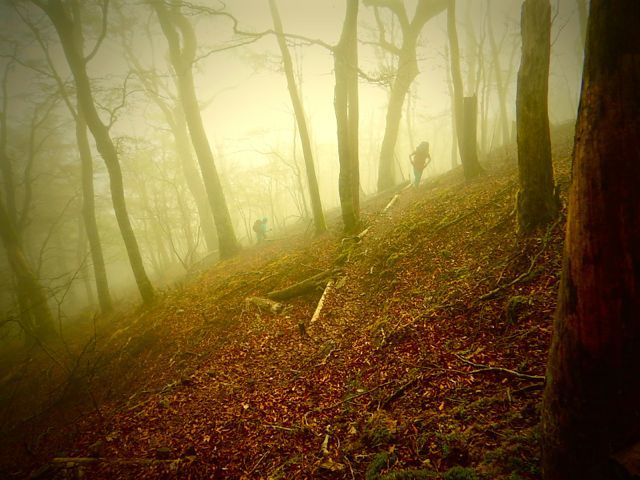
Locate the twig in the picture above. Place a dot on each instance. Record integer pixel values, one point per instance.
(356, 395)
(486, 368)
(524, 275)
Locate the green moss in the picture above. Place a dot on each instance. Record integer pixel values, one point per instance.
(460, 473)
(381, 461)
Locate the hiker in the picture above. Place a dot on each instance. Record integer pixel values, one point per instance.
(260, 228)
(419, 158)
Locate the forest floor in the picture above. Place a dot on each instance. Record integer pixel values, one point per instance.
(426, 361)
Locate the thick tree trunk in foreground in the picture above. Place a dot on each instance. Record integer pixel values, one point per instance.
(314, 192)
(346, 107)
(65, 28)
(536, 202)
(592, 400)
(182, 49)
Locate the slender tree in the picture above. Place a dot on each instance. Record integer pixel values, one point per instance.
(501, 84)
(591, 413)
(346, 107)
(464, 129)
(406, 74)
(66, 23)
(86, 160)
(181, 39)
(298, 109)
(175, 118)
(536, 201)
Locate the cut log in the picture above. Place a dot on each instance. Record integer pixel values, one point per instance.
(305, 286)
(265, 303)
(391, 203)
(316, 314)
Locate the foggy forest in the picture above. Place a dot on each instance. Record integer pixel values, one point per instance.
(296, 239)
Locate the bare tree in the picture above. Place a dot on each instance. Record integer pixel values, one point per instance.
(536, 201)
(296, 101)
(181, 39)
(36, 317)
(68, 25)
(590, 409)
(407, 72)
(346, 108)
(173, 113)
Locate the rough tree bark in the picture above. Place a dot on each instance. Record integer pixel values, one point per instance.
(346, 108)
(591, 408)
(182, 50)
(65, 27)
(407, 72)
(314, 193)
(536, 201)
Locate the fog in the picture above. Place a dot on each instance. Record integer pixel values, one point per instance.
(248, 118)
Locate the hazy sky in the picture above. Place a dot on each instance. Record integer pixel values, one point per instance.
(251, 107)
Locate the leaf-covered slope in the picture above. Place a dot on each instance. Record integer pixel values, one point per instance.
(428, 353)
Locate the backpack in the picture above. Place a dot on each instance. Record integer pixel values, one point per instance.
(257, 226)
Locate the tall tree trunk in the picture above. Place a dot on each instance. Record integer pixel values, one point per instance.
(89, 215)
(592, 397)
(470, 163)
(67, 28)
(536, 202)
(501, 84)
(81, 254)
(296, 101)
(31, 294)
(194, 180)
(454, 127)
(177, 123)
(182, 49)
(346, 107)
(467, 146)
(407, 72)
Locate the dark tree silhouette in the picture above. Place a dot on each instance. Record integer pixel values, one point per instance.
(591, 411)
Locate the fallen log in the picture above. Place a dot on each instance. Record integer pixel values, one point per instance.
(265, 303)
(305, 286)
(391, 203)
(316, 314)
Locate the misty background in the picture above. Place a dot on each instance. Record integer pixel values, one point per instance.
(248, 119)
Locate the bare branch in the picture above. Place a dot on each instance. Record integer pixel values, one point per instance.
(103, 31)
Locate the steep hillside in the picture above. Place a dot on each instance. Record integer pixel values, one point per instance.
(425, 361)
